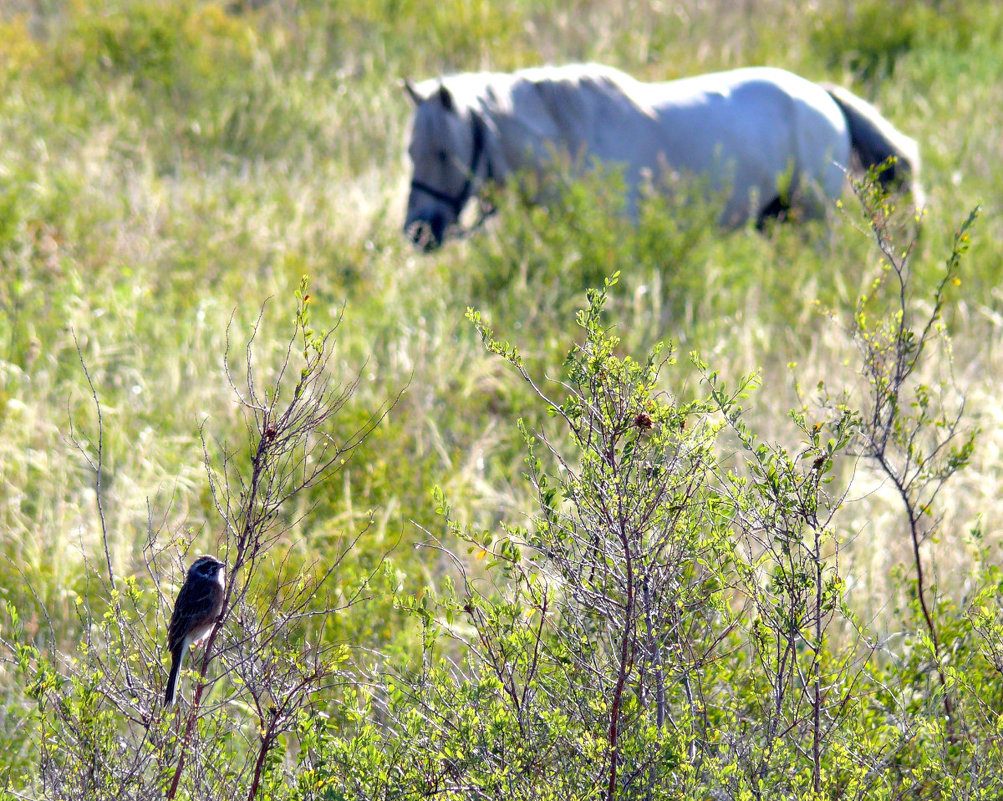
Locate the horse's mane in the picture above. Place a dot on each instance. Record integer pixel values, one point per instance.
(566, 91)
(584, 92)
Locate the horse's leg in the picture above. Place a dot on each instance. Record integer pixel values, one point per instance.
(776, 209)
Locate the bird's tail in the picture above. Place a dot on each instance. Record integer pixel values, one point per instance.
(177, 659)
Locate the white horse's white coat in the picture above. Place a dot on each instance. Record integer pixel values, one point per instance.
(759, 135)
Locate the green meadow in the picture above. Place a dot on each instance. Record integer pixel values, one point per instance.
(574, 508)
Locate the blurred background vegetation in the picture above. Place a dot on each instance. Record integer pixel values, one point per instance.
(166, 168)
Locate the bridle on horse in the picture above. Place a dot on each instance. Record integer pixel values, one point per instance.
(457, 201)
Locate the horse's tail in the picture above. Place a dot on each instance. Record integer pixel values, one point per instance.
(874, 140)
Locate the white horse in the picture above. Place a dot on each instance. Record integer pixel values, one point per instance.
(764, 138)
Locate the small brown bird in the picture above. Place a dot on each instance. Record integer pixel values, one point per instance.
(199, 604)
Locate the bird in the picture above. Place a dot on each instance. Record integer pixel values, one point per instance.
(199, 604)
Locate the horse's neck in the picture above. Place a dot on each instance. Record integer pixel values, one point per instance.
(502, 157)
(524, 132)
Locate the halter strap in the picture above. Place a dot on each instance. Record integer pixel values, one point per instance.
(456, 202)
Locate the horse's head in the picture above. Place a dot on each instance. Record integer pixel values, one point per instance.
(447, 153)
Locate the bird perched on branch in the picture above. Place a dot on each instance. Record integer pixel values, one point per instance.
(196, 610)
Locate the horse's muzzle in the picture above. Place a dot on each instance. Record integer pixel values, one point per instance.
(427, 234)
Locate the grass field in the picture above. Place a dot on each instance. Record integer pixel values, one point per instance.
(170, 170)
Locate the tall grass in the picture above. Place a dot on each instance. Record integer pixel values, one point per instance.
(166, 169)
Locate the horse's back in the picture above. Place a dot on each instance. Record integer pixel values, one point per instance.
(750, 127)
(743, 94)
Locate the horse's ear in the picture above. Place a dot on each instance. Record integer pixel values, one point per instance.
(416, 98)
(445, 97)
